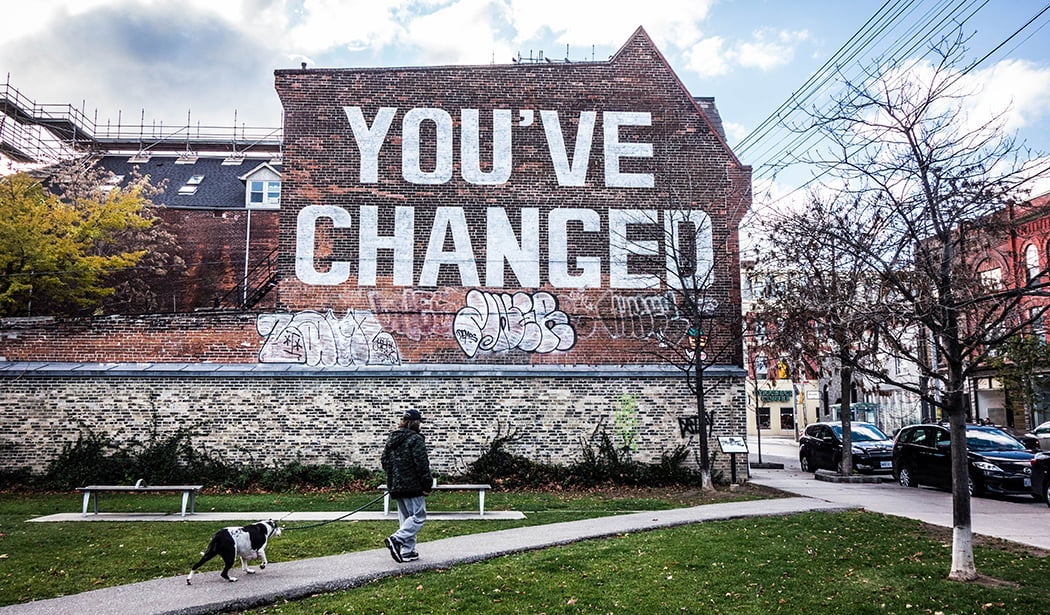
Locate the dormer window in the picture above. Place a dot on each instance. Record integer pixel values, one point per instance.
(262, 187)
(264, 192)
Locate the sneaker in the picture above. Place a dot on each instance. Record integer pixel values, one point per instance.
(395, 548)
(409, 557)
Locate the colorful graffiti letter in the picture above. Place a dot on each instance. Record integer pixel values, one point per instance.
(500, 322)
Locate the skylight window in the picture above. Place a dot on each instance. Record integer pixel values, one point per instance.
(112, 182)
(195, 180)
(188, 189)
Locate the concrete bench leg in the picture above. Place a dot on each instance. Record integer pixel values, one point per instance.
(87, 496)
(185, 500)
(386, 503)
(481, 502)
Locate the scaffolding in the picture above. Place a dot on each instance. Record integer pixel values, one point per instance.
(35, 133)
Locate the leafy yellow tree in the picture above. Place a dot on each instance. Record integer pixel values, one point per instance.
(137, 289)
(55, 255)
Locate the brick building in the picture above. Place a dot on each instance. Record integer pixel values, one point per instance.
(501, 245)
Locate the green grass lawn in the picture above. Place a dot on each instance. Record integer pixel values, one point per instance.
(853, 563)
(44, 560)
(850, 563)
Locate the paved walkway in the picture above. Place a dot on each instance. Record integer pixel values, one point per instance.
(301, 578)
(1021, 520)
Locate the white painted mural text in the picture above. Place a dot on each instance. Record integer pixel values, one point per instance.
(504, 248)
(371, 138)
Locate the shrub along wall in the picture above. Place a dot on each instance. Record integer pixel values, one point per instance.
(343, 419)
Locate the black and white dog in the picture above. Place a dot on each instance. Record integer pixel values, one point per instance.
(248, 543)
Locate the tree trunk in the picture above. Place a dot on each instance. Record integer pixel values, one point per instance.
(705, 458)
(963, 566)
(846, 413)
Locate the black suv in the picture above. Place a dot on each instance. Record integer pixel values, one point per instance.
(998, 462)
(820, 446)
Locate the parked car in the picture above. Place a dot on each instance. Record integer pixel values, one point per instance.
(998, 463)
(820, 446)
(1041, 477)
(1042, 433)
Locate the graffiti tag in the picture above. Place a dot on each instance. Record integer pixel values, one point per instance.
(316, 339)
(494, 322)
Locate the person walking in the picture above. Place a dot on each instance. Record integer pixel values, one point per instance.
(408, 480)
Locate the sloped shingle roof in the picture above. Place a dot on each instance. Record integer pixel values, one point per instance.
(221, 188)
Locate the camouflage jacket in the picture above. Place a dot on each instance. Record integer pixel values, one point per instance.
(406, 464)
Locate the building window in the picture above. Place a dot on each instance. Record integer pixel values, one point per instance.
(763, 418)
(992, 279)
(1031, 262)
(191, 185)
(264, 192)
(112, 182)
(787, 418)
(761, 370)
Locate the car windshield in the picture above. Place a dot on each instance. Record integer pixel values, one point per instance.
(991, 440)
(861, 433)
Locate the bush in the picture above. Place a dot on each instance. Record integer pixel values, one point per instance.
(173, 459)
(602, 462)
(499, 467)
(92, 459)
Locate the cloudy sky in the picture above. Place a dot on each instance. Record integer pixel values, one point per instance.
(206, 60)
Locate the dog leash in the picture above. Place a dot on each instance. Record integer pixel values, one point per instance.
(312, 525)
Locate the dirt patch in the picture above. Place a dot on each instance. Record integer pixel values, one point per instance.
(944, 535)
(681, 496)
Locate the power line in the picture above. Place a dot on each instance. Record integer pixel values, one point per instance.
(921, 29)
(935, 22)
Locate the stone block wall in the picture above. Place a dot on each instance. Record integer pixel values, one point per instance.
(343, 419)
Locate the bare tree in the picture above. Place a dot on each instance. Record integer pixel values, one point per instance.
(704, 325)
(925, 183)
(820, 303)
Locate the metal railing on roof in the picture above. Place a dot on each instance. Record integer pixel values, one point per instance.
(33, 132)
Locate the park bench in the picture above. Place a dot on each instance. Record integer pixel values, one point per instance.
(189, 493)
(481, 489)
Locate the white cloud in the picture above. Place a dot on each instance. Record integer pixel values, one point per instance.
(708, 58)
(768, 49)
(735, 132)
(1017, 89)
(326, 24)
(1005, 97)
(473, 41)
(583, 23)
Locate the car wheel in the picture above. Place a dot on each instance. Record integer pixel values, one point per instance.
(1046, 492)
(906, 478)
(806, 463)
(975, 488)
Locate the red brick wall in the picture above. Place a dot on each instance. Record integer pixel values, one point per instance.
(211, 242)
(691, 167)
(390, 323)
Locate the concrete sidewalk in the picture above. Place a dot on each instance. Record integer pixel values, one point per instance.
(1021, 520)
(297, 579)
